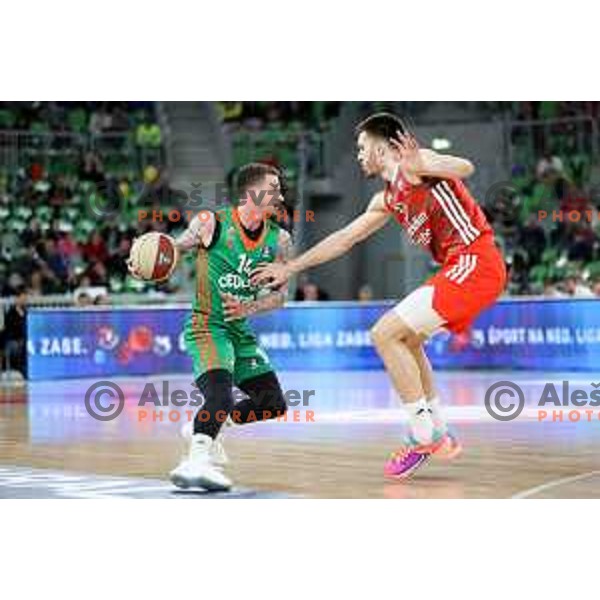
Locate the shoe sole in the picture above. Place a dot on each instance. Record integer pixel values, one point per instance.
(185, 483)
(408, 473)
(447, 455)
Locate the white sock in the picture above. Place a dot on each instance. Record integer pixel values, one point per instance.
(421, 422)
(437, 414)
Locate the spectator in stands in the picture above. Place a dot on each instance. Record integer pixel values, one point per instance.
(38, 286)
(32, 235)
(596, 288)
(15, 334)
(82, 298)
(148, 134)
(95, 249)
(120, 121)
(575, 287)
(100, 121)
(91, 169)
(117, 263)
(98, 273)
(230, 111)
(582, 242)
(551, 291)
(54, 259)
(87, 295)
(310, 292)
(532, 238)
(365, 293)
(67, 246)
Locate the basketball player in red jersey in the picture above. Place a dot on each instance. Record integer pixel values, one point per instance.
(424, 193)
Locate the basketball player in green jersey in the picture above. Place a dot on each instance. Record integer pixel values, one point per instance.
(229, 244)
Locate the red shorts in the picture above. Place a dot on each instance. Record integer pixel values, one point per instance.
(452, 299)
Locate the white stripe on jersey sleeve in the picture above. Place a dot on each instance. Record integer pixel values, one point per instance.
(452, 216)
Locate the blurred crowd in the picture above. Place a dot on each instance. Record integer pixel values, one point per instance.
(546, 216)
(273, 130)
(58, 233)
(54, 239)
(95, 118)
(551, 109)
(54, 234)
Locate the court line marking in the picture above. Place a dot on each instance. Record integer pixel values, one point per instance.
(50, 483)
(553, 484)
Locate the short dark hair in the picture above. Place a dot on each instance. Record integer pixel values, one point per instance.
(252, 173)
(383, 125)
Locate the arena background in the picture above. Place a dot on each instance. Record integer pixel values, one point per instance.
(78, 181)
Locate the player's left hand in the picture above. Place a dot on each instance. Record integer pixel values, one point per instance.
(271, 275)
(133, 268)
(407, 147)
(233, 307)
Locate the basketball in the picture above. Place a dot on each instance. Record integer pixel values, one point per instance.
(153, 256)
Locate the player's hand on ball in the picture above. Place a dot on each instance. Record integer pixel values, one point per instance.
(233, 307)
(271, 275)
(133, 271)
(132, 265)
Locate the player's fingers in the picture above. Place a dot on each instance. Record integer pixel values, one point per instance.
(259, 275)
(231, 313)
(401, 138)
(273, 284)
(412, 141)
(396, 143)
(398, 146)
(228, 300)
(260, 267)
(133, 268)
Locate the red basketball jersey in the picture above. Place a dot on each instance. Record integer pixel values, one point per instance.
(440, 215)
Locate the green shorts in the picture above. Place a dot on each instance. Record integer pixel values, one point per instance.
(220, 347)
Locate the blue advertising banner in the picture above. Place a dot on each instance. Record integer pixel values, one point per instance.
(514, 334)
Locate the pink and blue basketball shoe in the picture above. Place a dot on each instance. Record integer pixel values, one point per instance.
(405, 461)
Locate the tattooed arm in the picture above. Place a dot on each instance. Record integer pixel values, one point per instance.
(234, 308)
(200, 230)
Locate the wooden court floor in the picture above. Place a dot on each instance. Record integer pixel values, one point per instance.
(339, 454)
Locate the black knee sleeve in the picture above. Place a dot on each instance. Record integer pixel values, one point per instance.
(265, 400)
(216, 387)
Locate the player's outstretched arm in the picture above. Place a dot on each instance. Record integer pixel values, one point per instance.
(444, 165)
(234, 308)
(418, 162)
(333, 246)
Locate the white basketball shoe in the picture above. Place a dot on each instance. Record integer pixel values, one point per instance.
(217, 449)
(198, 469)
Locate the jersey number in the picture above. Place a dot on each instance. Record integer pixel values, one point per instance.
(245, 266)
